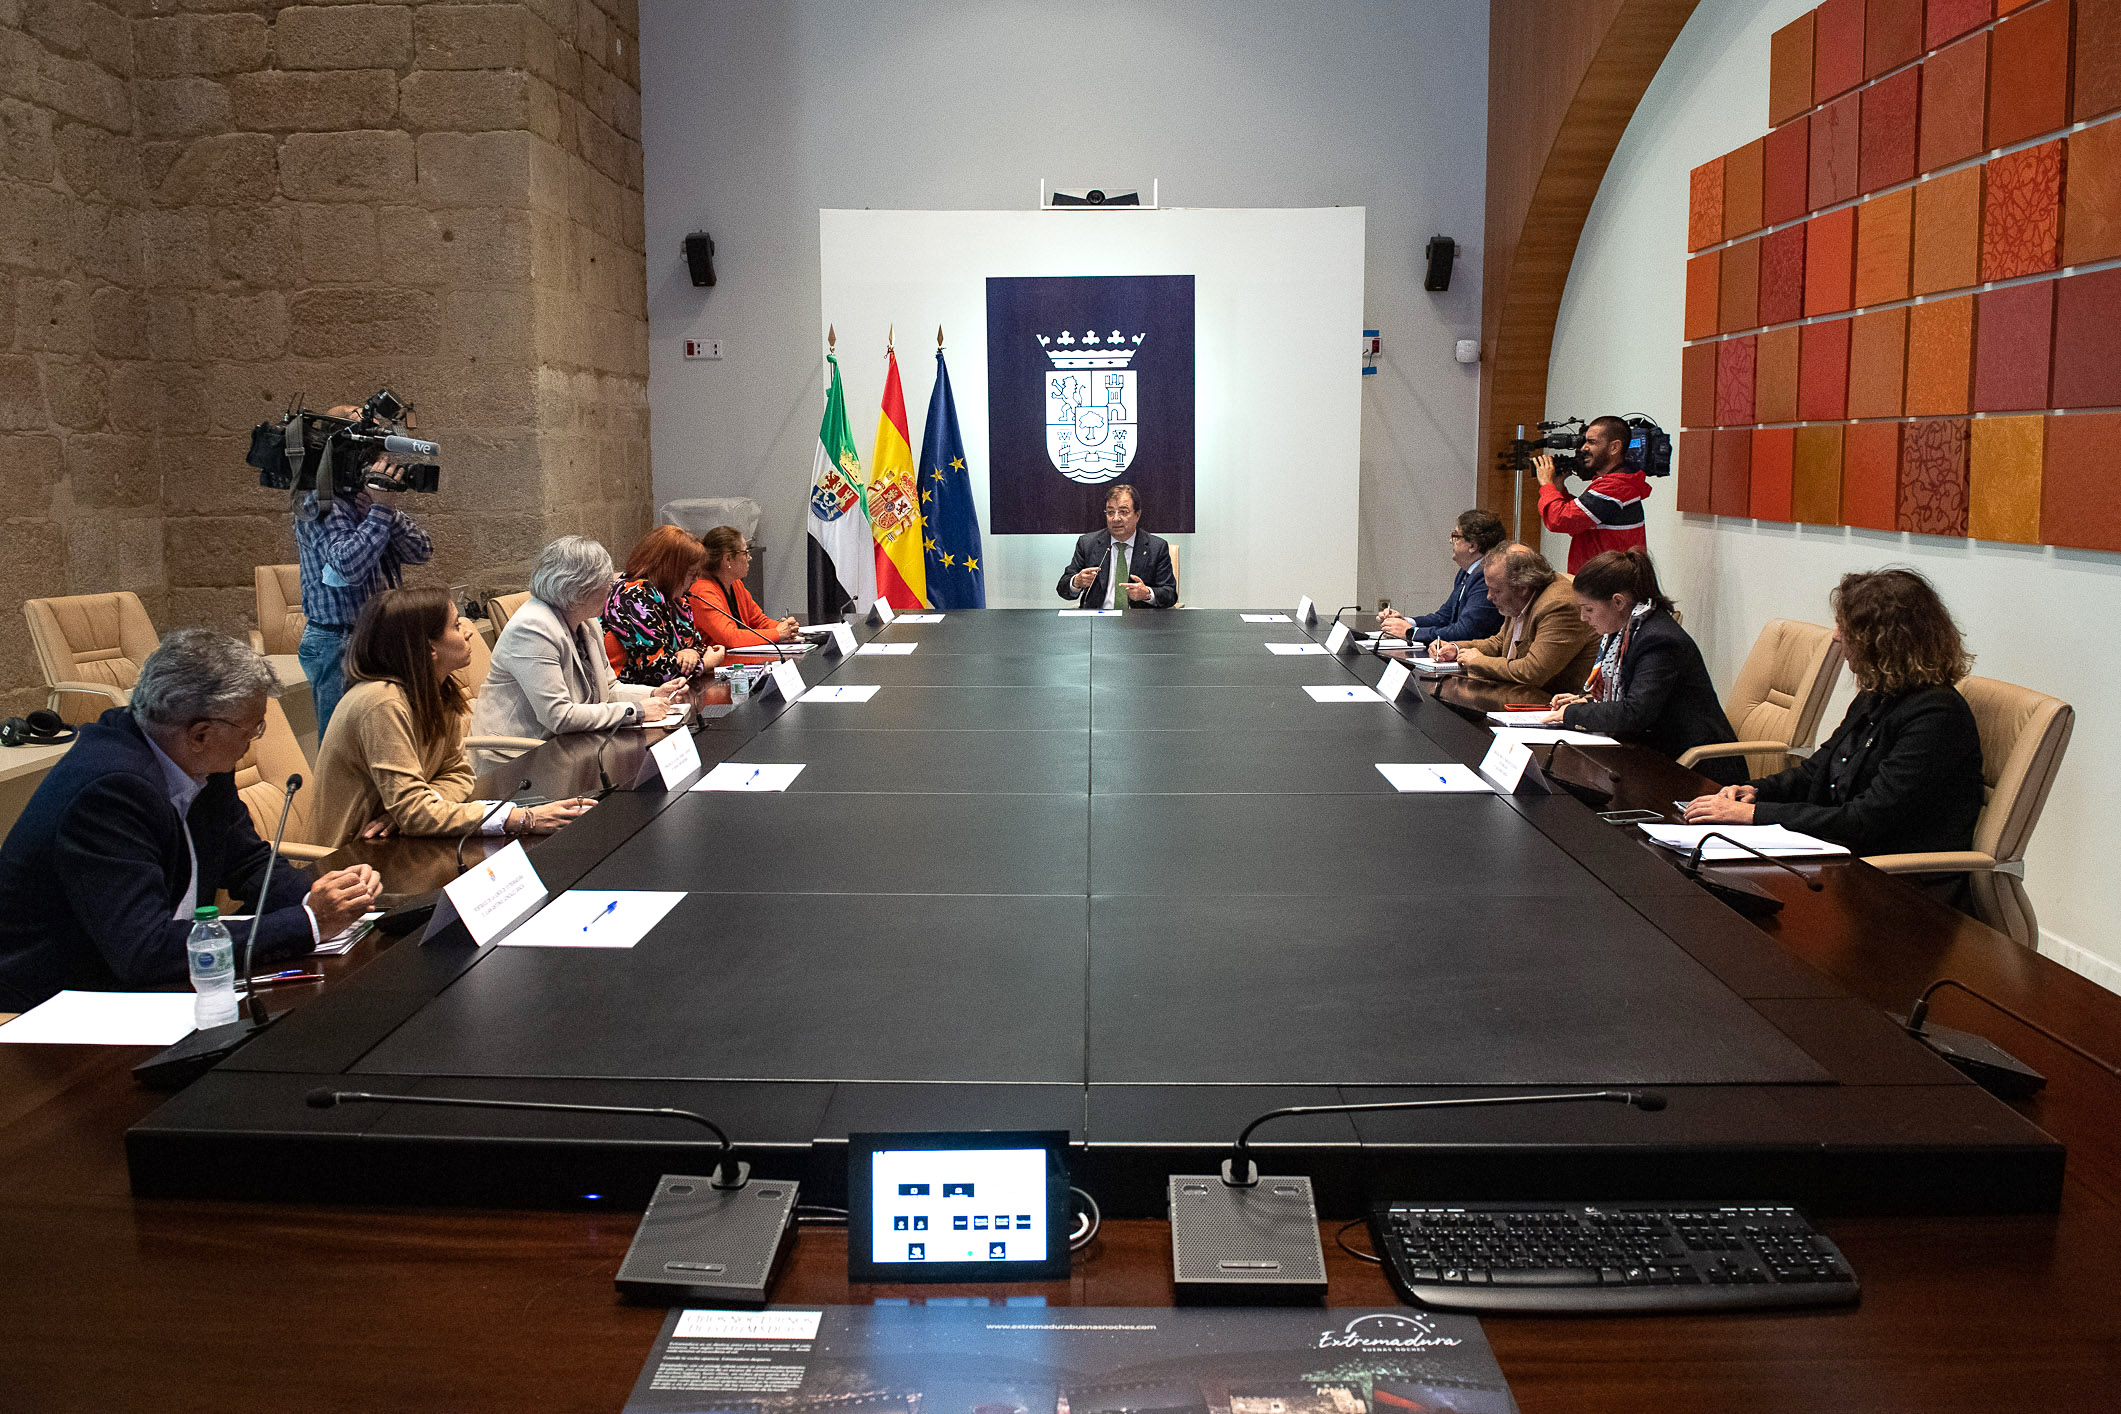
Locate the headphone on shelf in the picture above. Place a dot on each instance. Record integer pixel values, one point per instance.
(40, 728)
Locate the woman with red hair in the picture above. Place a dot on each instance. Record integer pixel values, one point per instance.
(647, 631)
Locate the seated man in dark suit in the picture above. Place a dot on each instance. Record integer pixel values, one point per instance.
(1121, 566)
(140, 822)
(1466, 612)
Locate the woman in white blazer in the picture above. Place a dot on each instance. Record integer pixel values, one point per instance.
(549, 673)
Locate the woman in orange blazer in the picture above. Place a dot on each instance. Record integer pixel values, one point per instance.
(722, 608)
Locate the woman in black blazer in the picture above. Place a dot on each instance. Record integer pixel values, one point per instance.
(1902, 773)
(1650, 685)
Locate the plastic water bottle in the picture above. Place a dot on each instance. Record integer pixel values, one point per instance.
(739, 685)
(211, 955)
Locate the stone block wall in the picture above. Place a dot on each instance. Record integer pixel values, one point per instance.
(211, 207)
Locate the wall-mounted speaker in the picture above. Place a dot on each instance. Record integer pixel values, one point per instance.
(699, 257)
(1442, 253)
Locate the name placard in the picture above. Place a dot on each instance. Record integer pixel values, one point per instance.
(1505, 762)
(495, 894)
(1394, 681)
(788, 678)
(884, 613)
(1306, 612)
(677, 756)
(1337, 639)
(843, 639)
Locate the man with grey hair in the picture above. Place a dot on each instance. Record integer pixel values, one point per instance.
(140, 823)
(550, 674)
(1543, 647)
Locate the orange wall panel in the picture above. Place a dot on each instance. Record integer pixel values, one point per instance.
(1870, 475)
(1885, 229)
(2004, 465)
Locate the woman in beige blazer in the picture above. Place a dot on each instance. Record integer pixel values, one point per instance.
(550, 674)
(392, 761)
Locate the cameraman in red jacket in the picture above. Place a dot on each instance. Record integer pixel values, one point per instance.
(1608, 515)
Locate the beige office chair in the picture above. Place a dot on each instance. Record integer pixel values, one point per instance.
(1779, 697)
(280, 616)
(2023, 736)
(261, 780)
(472, 676)
(502, 607)
(1180, 601)
(90, 648)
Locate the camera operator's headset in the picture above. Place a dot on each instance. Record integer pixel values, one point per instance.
(40, 728)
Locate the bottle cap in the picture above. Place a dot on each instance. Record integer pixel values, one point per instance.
(201, 915)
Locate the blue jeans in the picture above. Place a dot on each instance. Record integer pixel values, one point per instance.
(322, 653)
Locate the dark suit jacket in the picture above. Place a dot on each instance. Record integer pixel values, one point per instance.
(1150, 562)
(1466, 614)
(1666, 701)
(1912, 777)
(91, 875)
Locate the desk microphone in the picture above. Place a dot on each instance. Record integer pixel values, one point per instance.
(717, 1239)
(1982, 1060)
(177, 1066)
(1740, 893)
(1244, 1237)
(1593, 796)
(604, 785)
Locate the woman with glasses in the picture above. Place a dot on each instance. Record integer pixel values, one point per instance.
(392, 761)
(1465, 613)
(722, 608)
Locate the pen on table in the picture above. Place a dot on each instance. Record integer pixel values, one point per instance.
(283, 978)
(753, 777)
(289, 975)
(605, 912)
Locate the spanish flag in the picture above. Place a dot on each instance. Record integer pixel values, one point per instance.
(894, 504)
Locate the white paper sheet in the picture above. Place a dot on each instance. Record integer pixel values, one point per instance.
(1547, 736)
(1530, 717)
(1344, 694)
(104, 1019)
(595, 918)
(896, 650)
(1428, 776)
(736, 775)
(1768, 839)
(1295, 650)
(1091, 613)
(1264, 618)
(920, 618)
(842, 693)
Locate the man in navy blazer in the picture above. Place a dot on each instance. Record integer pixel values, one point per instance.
(1149, 582)
(140, 822)
(1466, 613)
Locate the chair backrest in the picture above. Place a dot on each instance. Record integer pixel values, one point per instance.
(1783, 687)
(263, 772)
(280, 616)
(502, 607)
(472, 676)
(97, 638)
(2023, 736)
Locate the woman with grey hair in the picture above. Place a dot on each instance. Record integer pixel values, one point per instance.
(549, 673)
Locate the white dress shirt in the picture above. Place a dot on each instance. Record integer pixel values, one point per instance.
(184, 788)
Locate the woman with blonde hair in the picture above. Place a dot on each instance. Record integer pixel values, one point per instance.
(722, 608)
(392, 761)
(1902, 773)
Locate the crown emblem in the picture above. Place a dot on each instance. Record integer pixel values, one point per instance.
(1091, 349)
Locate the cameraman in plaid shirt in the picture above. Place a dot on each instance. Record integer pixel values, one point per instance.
(349, 547)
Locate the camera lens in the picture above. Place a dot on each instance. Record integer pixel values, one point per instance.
(1095, 196)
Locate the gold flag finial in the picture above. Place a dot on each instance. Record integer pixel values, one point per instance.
(889, 330)
(832, 338)
(938, 337)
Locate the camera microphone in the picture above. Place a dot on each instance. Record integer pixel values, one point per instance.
(399, 446)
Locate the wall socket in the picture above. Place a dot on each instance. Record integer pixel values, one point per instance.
(703, 348)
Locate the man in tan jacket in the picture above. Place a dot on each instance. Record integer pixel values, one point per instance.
(1543, 646)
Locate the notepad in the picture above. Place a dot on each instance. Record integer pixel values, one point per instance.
(1768, 839)
(1419, 776)
(840, 694)
(595, 918)
(736, 775)
(1345, 694)
(1432, 665)
(343, 941)
(894, 649)
(1291, 650)
(104, 1019)
(1526, 716)
(1264, 618)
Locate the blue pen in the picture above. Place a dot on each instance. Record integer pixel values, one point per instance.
(753, 777)
(608, 910)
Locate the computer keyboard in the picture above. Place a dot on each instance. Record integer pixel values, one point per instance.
(1563, 1257)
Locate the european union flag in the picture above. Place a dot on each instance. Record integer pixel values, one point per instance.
(955, 579)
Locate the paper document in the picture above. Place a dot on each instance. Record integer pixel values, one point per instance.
(1431, 665)
(104, 1019)
(1291, 650)
(1547, 736)
(595, 918)
(343, 941)
(1768, 839)
(1345, 694)
(1424, 776)
(1264, 618)
(1091, 613)
(840, 694)
(898, 650)
(736, 775)
(1527, 716)
(920, 618)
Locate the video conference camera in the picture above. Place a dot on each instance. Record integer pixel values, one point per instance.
(340, 456)
(1649, 448)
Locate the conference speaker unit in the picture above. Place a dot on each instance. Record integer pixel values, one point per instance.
(1256, 1245)
(699, 1243)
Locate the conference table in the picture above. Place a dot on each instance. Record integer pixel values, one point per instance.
(117, 1301)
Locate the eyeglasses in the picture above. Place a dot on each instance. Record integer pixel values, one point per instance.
(256, 733)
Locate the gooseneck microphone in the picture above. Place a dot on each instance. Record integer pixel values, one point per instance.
(1982, 1060)
(747, 628)
(1693, 860)
(1240, 1172)
(253, 1002)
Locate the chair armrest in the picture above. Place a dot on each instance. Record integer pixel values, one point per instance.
(257, 641)
(305, 853)
(119, 695)
(1693, 755)
(501, 743)
(1954, 861)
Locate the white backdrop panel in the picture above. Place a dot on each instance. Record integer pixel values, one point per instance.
(1278, 380)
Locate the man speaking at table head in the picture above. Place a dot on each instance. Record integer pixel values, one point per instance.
(1121, 566)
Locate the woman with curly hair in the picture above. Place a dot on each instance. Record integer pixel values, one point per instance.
(1902, 773)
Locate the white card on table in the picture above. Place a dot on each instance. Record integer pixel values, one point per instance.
(496, 892)
(1505, 762)
(894, 649)
(1343, 694)
(843, 638)
(840, 694)
(676, 756)
(1264, 618)
(1428, 776)
(884, 612)
(595, 918)
(1337, 639)
(1091, 613)
(789, 679)
(1294, 650)
(104, 1019)
(736, 775)
(920, 618)
(1393, 682)
(1305, 612)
